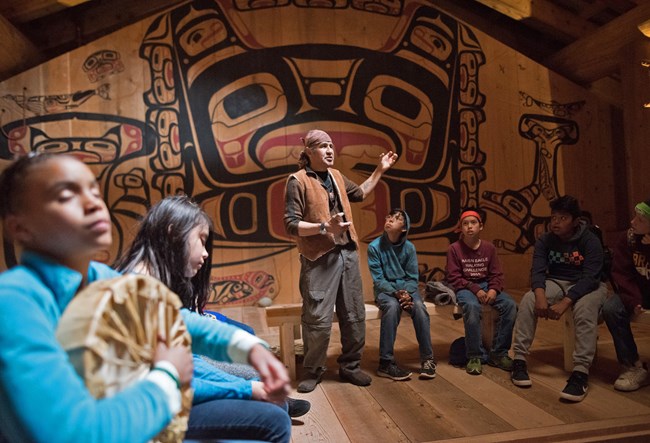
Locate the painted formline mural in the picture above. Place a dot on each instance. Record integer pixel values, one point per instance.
(211, 98)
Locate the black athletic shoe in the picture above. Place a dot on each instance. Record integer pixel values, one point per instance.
(519, 374)
(297, 407)
(391, 370)
(428, 369)
(576, 387)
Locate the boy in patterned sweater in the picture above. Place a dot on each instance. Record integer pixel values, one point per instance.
(566, 272)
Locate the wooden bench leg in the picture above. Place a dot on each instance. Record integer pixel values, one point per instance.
(287, 350)
(569, 339)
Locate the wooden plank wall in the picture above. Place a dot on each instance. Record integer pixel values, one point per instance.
(210, 99)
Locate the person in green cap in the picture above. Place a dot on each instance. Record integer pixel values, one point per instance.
(631, 281)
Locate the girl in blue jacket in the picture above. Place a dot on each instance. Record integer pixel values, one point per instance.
(174, 244)
(51, 206)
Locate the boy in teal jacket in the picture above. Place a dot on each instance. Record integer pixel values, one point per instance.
(393, 265)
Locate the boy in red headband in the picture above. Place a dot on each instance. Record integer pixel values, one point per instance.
(474, 272)
(631, 281)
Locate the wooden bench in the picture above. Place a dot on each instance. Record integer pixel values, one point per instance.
(287, 318)
(570, 335)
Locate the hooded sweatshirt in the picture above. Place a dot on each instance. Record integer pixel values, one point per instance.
(631, 271)
(578, 260)
(393, 266)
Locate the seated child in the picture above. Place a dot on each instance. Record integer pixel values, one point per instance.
(631, 281)
(52, 207)
(393, 265)
(474, 272)
(174, 244)
(566, 272)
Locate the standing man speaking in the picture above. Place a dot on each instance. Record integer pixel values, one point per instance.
(319, 215)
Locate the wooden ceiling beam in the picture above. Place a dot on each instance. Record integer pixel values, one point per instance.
(608, 90)
(598, 54)
(544, 15)
(22, 11)
(69, 29)
(71, 3)
(17, 53)
(514, 34)
(589, 10)
(622, 6)
(645, 28)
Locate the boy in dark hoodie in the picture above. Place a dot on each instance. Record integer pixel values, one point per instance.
(474, 272)
(631, 280)
(566, 272)
(394, 268)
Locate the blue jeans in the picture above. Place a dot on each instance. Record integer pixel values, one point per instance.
(390, 318)
(235, 419)
(507, 310)
(618, 322)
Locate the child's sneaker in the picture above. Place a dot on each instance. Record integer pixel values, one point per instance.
(428, 369)
(297, 407)
(576, 387)
(502, 362)
(632, 378)
(519, 375)
(474, 366)
(391, 370)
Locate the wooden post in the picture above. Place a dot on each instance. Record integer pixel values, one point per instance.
(287, 350)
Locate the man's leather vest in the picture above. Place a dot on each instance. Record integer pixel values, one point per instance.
(317, 210)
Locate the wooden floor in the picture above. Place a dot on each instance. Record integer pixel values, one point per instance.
(459, 407)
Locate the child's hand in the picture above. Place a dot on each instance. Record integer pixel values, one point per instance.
(179, 356)
(490, 296)
(541, 305)
(556, 311)
(405, 299)
(272, 372)
(258, 392)
(401, 294)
